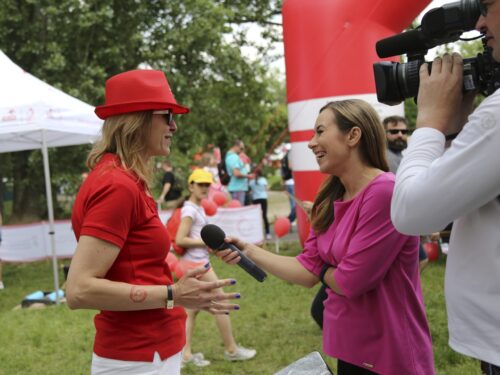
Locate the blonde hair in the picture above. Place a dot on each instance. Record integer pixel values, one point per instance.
(348, 114)
(125, 136)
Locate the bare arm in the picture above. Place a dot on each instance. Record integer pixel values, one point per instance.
(284, 267)
(237, 173)
(164, 192)
(182, 237)
(87, 288)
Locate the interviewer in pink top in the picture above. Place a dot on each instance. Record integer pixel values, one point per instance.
(374, 317)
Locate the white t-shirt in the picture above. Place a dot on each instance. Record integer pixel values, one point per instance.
(434, 187)
(197, 214)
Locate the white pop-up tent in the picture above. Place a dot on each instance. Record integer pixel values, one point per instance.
(35, 115)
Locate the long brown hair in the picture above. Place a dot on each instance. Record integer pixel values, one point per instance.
(125, 136)
(348, 114)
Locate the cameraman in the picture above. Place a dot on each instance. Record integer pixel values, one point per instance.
(437, 184)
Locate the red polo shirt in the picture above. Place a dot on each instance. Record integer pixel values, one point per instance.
(112, 205)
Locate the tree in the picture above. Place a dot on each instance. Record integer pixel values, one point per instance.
(76, 45)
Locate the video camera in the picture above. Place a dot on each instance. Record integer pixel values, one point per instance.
(398, 81)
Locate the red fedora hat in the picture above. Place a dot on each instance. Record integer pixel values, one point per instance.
(138, 90)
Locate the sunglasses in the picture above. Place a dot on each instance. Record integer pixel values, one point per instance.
(483, 8)
(168, 115)
(396, 131)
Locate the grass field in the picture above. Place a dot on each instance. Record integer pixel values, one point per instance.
(274, 318)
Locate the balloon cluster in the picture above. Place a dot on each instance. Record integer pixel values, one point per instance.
(219, 199)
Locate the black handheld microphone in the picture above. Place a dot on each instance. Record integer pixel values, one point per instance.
(213, 236)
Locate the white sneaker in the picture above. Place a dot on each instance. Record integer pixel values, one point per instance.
(241, 354)
(269, 237)
(197, 359)
(1, 285)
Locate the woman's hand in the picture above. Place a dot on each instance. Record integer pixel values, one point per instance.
(232, 257)
(195, 294)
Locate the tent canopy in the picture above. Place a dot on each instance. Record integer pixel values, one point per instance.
(29, 105)
(35, 115)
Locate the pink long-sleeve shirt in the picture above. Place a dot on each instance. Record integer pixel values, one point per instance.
(379, 323)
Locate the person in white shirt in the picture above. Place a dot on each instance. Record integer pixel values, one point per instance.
(193, 219)
(436, 184)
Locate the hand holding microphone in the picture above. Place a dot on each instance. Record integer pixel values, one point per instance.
(213, 236)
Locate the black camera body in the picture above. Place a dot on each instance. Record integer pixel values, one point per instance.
(397, 81)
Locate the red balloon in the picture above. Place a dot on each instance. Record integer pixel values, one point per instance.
(171, 260)
(220, 198)
(282, 226)
(179, 270)
(431, 248)
(209, 207)
(234, 204)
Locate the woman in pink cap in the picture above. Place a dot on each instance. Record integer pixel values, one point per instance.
(119, 264)
(374, 319)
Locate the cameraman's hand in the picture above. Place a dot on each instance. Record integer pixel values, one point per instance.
(440, 95)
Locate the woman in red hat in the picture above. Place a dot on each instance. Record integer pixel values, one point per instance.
(119, 264)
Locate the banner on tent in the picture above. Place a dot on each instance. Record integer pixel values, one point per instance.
(27, 243)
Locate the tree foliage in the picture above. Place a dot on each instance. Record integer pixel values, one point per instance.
(75, 45)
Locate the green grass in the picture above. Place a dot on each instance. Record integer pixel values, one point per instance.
(274, 318)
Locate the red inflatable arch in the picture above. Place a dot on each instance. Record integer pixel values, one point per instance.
(329, 53)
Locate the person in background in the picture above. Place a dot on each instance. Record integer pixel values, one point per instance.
(289, 183)
(119, 264)
(209, 164)
(374, 319)
(188, 236)
(247, 167)
(396, 132)
(239, 173)
(258, 187)
(169, 193)
(450, 173)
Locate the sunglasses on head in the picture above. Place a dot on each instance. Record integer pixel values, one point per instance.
(396, 131)
(168, 114)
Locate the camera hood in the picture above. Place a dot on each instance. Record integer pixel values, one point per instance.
(439, 25)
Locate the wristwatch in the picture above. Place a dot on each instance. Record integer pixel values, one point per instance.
(170, 297)
(322, 274)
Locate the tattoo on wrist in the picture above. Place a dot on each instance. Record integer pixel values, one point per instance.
(137, 294)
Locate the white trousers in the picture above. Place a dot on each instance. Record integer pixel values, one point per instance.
(106, 366)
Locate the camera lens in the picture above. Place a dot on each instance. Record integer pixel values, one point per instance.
(408, 78)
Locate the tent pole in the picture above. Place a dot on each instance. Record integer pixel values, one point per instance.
(50, 207)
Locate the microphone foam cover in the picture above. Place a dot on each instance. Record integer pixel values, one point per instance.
(213, 236)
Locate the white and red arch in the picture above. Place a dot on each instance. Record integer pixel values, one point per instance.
(329, 54)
